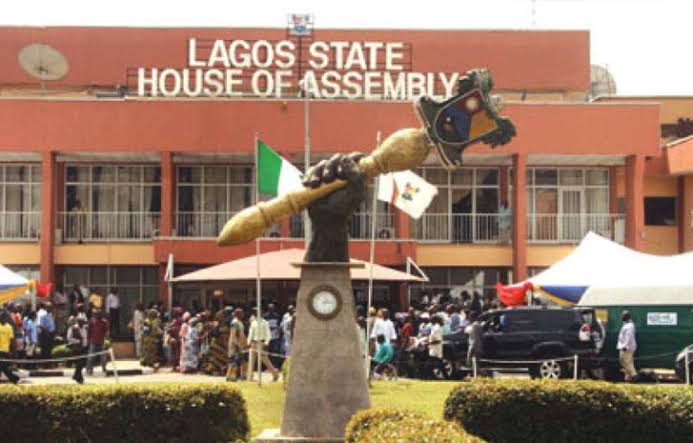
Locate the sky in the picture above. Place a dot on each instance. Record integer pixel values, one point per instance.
(642, 42)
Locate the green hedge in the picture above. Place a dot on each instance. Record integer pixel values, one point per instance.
(391, 425)
(552, 411)
(129, 413)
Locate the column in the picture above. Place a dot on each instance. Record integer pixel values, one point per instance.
(681, 210)
(48, 214)
(168, 194)
(519, 211)
(634, 200)
(401, 223)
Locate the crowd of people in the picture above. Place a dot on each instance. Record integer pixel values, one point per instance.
(224, 341)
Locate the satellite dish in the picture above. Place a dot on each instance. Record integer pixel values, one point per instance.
(42, 62)
(601, 81)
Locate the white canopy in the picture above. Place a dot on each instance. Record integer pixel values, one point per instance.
(10, 280)
(599, 263)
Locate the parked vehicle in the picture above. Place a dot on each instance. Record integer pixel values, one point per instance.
(515, 336)
(680, 364)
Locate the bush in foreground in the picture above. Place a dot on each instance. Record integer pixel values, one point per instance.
(127, 413)
(511, 411)
(391, 425)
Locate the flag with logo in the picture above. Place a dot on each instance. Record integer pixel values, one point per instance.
(407, 191)
(276, 176)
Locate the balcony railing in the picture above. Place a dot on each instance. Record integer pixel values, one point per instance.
(20, 225)
(360, 226)
(571, 228)
(208, 224)
(106, 226)
(463, 228)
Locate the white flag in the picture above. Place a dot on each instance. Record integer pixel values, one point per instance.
(407, 191)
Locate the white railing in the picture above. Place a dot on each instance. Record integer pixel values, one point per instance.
(100, 226)
(20, 225)
(463, 228)
(571, 228)
(208, 224)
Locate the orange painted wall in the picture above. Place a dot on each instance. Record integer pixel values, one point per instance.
(688, 214)
(20, 254)
(464, 255)
(520, 60)
(105, 254)
(336, 126)
(660, 186)
(671, 108)
(546, 255)
(661, 240)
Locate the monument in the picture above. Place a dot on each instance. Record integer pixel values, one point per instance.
(327, 383)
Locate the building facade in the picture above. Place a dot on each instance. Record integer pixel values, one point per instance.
(144, 148)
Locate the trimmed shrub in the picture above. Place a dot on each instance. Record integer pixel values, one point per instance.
(551, 411)
(126, 413)
(391, 425)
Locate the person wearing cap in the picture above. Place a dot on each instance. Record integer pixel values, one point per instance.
(627, 346)
(259, 337)
(77, 335)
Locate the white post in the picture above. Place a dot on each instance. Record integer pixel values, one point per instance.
(575, 368)
(258, 284)
(688, 368)
(474, 370)
(113, 362)
(371, 260)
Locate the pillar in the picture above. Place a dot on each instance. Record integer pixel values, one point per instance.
(401, 221)
(48, 215)
(168, 195)
(634, 201)
(681, 212)
(519, 211)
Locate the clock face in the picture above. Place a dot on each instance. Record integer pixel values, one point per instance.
(324, 302)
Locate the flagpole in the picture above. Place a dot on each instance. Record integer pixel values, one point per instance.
(372, 259)
(258, 284)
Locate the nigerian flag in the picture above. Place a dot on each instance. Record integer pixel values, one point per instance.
(276, 176)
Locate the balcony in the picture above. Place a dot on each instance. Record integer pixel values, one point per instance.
(208, 224)
(361, 223)
(571, 228)
(109, 226)
(461, 228)
(18, 226)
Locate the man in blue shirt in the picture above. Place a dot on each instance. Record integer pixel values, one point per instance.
(383, 355)
(46, 330)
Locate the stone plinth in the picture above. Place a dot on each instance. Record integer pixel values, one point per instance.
(327, 380)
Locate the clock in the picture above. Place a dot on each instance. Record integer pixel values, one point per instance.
(324, 302)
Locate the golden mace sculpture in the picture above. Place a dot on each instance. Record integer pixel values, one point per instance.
(404, 149)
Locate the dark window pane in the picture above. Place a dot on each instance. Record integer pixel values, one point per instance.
(660, 211)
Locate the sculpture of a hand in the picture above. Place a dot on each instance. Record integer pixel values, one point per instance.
(331, 215)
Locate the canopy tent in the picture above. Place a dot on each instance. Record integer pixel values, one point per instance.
(278, 265)
(12, 285)
(600, 263)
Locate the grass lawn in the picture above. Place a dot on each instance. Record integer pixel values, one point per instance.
(265, 403)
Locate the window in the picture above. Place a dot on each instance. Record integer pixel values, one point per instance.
(20, 201)
(209, 195)
(660, 211)
(563, 204)
(456, 280)
(111, 202)
(466, 207)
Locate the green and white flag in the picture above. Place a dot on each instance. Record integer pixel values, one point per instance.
(276, 176)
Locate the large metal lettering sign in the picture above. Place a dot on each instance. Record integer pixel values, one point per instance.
(368, 70)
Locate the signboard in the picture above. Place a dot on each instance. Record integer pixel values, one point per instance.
(662, 319)
(371, 70)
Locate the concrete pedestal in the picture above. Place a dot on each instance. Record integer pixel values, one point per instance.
(327, 380)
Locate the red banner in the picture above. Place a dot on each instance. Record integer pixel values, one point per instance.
(43, 290)
(513, 295)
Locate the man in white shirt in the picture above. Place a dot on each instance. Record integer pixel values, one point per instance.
(626, 347)
(113, 311)
(259, 337)
(383, 325)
